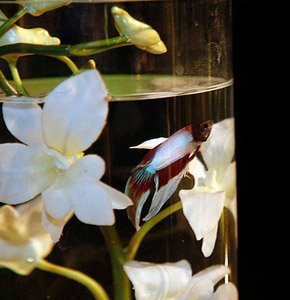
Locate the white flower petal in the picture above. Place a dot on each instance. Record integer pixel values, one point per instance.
(214, 274)
(54, 226)
(118, 199)
(8, 213)
(202, 210)
(150, 144)
(158, 281)
(218, 150)
(20, 259)
(75, 112)
(28, 221)
(23, 239)
(229, 181)
(91, 203)
(89, 167)
(208, 242)
(197, 169)
(57, 198)
(200, 290)
(231, 192)
(24, 122)
(226, 291)
(24, 173)
(78, 189)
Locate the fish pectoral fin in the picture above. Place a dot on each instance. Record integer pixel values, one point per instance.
(142, 175)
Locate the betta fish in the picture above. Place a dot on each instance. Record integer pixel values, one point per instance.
(158, 175)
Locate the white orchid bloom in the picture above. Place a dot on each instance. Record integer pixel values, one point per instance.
(52, 162)
(215, 185)
(23, 238)
(38, 7)
(139, 34)
(174, 281)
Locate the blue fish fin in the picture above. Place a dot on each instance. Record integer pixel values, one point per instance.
(141, 175)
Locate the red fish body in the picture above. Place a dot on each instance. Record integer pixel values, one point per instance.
(162, 168)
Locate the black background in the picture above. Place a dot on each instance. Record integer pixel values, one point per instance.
(261, 73)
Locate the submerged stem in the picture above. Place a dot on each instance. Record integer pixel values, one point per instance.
(122, 286)
(71, 65)
(137, 238)
(93, 286)
(7, 88)
(16, 77)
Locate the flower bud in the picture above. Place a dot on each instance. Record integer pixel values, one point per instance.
(37, 36)
(139, 34)
(39, 7)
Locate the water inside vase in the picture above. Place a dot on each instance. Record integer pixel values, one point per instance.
(151, 96)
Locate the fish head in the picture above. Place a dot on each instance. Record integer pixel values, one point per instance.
(202, 131)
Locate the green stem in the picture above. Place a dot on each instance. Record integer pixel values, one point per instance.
(83, 49)
(17, 80)
(94, 287)
(137, 238)
(71, 65)
(94, 47)
(23, 48)
(7, 24)
(6, 86)
(122, 286)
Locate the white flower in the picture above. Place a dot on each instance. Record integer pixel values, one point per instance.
(139, 34)
(38, 7)
(52, 162)
(174, 281)
(23, 239)
(215, 185)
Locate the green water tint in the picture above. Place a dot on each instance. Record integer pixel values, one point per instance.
(134, 87)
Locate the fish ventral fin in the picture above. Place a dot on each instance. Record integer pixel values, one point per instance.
(138, 188)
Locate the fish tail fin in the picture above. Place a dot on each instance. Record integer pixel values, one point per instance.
(138, 188)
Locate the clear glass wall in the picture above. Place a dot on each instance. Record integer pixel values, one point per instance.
(78, 187)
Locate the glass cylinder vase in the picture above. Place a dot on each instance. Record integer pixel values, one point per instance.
(117, 150)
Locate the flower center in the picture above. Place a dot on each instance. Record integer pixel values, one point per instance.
(63, 162)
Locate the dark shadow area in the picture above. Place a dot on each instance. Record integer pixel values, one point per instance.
(261, 72)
